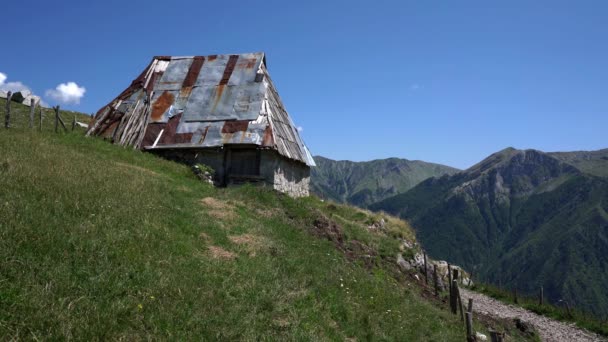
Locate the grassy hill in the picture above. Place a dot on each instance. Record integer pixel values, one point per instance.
(591, 162)
(101, 242)
(522, 219)
(364, 183)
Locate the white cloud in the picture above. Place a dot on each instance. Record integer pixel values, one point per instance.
(69, 92)
(300, 128)
(18, 87)
(12, 86)
(415, 87)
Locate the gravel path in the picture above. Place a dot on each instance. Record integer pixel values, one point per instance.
(550, 330)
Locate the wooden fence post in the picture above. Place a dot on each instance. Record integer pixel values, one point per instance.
(495, 336)
(454, 297)
(460, 305)
(470, 308)
(32, 111)
(426, 270)
(469, 323)
(450, 281)
(436, 280)
(515, 296)
(540, 299)
(40, 118)
(7, 115)
(58, 119)
(74, 122)
(56, 109)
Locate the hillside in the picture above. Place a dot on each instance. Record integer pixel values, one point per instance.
(101, 242)
(364, 183)
(591, 162)
(522, 219)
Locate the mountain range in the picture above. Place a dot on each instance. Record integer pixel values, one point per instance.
(364, 183)
(520, 218)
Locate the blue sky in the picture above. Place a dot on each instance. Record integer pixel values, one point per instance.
(442, 81)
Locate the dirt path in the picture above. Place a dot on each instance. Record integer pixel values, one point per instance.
(550, 330)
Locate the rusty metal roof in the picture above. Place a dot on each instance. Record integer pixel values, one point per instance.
(202, 101)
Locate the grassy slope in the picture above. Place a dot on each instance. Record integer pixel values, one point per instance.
(101, 242)
(592, 162)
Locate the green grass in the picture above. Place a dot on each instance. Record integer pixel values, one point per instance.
(20, 117)
(560, 313)
(99, 242)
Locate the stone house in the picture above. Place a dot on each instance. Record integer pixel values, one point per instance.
(219, 110)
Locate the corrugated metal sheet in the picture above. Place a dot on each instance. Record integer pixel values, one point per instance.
(202, 101)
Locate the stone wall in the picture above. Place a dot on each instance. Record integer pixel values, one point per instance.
(282, 174)
(285, 175)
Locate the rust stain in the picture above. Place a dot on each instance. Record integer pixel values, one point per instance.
(204, 135)
(225, 78)
(164, 101)
(247, 63)
(163, 58)
(183, 138)
(192, 75)
(152, 132)
(268, 139)
(218, 96)
(227, 137)
(229, 69)
(109, 131)
(235, 126)
(170, 129)
(211, 58)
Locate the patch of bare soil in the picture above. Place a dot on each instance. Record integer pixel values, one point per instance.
(219, 253)
(204, 237)
(354, 250)
(219, 209)
(252, 243)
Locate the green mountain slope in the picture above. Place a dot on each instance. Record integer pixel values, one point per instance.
(524, 219)
(363, 183)
(99, 242)
(592, 162)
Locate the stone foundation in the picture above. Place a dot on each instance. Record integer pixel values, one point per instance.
(282, 174)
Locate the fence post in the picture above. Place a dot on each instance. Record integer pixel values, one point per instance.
(469, 322)
(450, 281)
(426, 272)
(454, 297)
(40, 118)
(56, 109)
(32, 111)
(540, 300)
(515, 296)
(436, 280)
(470, 308)
(495, 336)
(460, 305)
(74, 122)
(7, 115)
